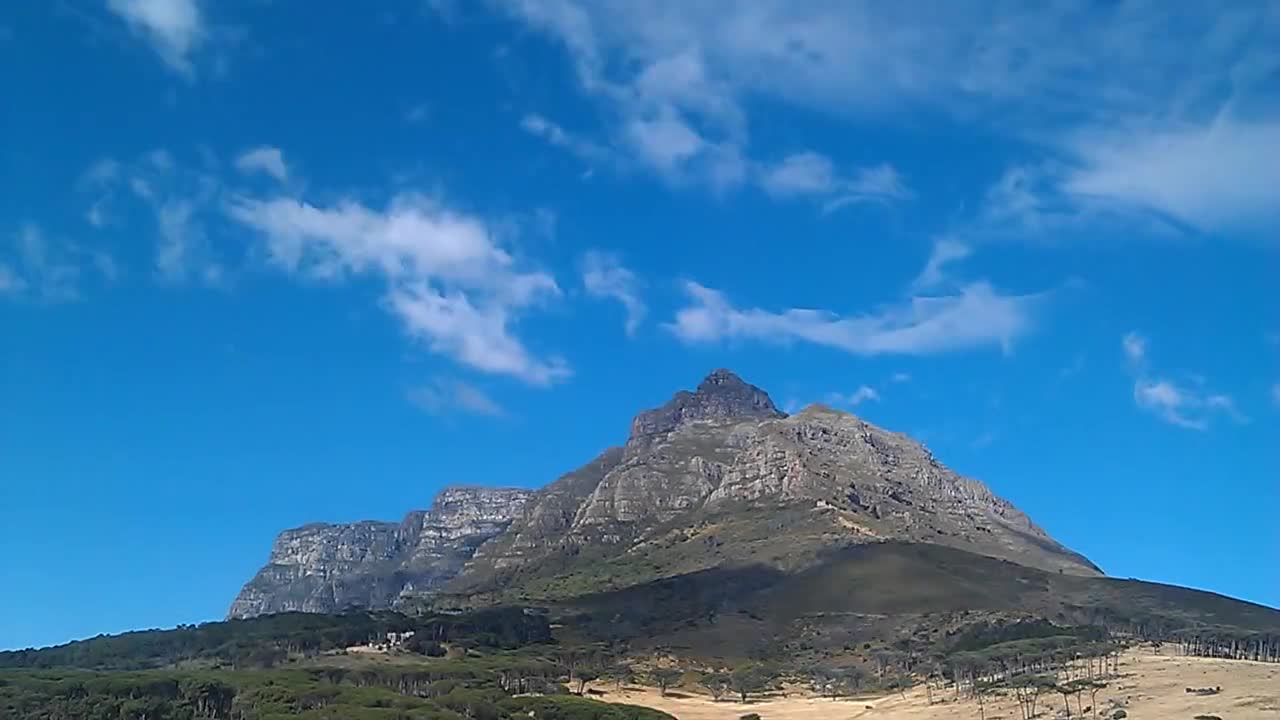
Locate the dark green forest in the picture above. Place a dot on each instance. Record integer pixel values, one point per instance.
(453, 691)
(264, 642)
(507, 663)
(295, 665)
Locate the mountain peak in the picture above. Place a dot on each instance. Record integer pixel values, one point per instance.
(721, 378)
(720, 395)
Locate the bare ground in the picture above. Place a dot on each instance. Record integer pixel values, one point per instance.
(1150, 687)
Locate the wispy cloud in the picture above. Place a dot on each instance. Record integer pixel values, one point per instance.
(1219, 176)
(811, 174)
(975, 317)
(586, 150)
(1146, 109)
(1170, 401)
(264, 159)
(864, 393)
(445, 396)
(448, 281)
(175, 28)
(1184, 404)
(180, 201)
(37, 268)
(1135, 348)
(945, 252)
(604, 276)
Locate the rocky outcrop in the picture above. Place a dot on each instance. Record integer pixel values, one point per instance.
(715, 476)
(719, 396)
(723, 455)
(325, 568)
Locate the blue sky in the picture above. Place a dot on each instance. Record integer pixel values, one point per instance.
(266, 263)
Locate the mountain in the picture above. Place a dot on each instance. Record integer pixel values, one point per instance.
(323, 568)
(721, 476)
(716, 476)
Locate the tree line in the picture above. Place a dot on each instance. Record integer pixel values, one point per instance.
(266, 641)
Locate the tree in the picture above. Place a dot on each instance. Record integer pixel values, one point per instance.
(748, 679)
(1027, 690)
(980, 691)
(851, 679)
(1065, 690)
(884, 660)
(717, 683)
(899, 681)
(665, 677)
(584, 675)
(621, 674)
(823, 681)
(1078, 687)
(1094, 689)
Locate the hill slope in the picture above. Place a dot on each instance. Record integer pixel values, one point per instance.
(719, 475)
(322, 568)
(723, 521)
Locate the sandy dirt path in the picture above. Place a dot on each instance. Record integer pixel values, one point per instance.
(1151, 687)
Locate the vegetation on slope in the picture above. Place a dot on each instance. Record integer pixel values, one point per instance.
(267, 640)
(450, 691)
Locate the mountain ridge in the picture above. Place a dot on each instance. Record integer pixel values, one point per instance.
(325, 567)
(714, 476)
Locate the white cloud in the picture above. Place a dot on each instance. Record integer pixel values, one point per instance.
(104, 171)
(976, 316)
(880, 183)
(413, 237)
(36, 267)
(1222, 176)
(175, 28)
(1135, 348)
(479, 337)
(864, 393)
(180, 249)
(1066, 61)
(1186, 405)
(1170, 401)
(10, 282)
(1225, 404)
(945, 251)
(812, 174)
(179, 200)
(604, 276)
(901, 377)
(665, 142)
(449, 282)
(442, 397)
(802, 173)
(973, 315)
(1163, 108)
(264, 159)
(584, 149)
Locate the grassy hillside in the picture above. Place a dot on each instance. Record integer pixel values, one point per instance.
(315, 694)
(268, 640)
(480, 665)
(910, 597)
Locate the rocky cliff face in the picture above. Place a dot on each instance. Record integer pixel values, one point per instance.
(325, 568)
(720, 395)
(717, 476)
